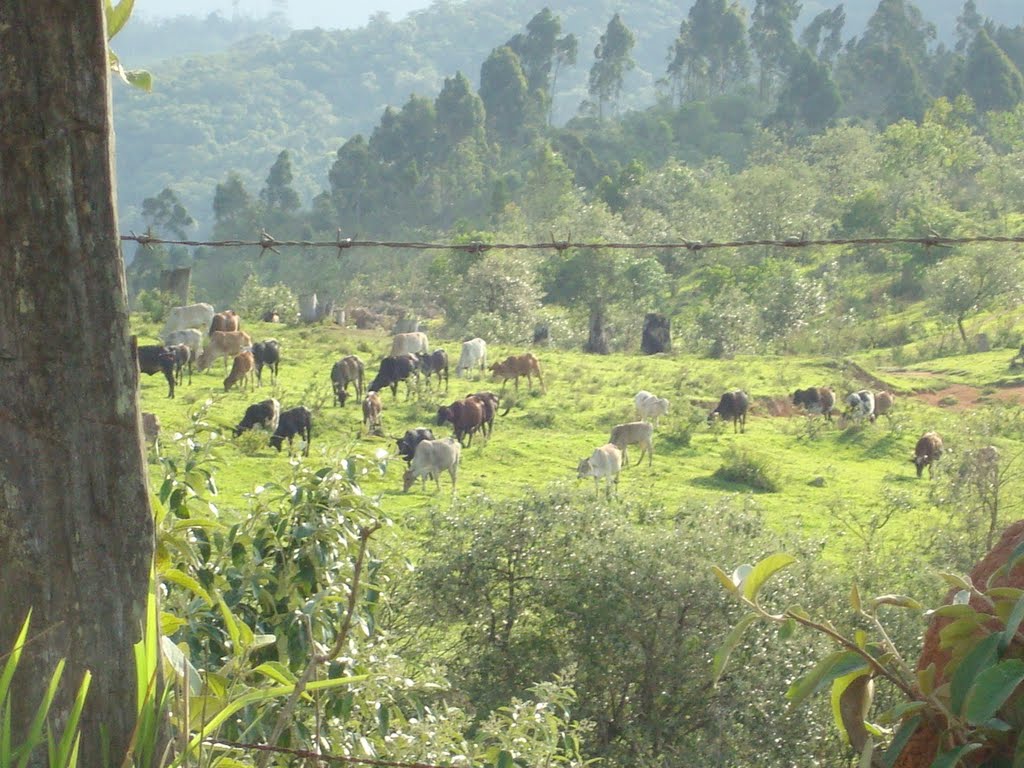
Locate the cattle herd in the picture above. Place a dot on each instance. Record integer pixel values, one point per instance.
(410, 359)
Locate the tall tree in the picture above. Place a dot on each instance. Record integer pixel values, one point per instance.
(505, 94)
(233, 211)
(459, 113)
(76, 530)
(278, 196)
(612, 59)
(771, 37)
(830, 21)
(968, 24)
(990, 78)
(710, 53)
(539, 50)
(809, 94)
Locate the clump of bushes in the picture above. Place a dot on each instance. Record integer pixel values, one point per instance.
(744, 467)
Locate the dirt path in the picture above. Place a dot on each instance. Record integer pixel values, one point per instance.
(957, 397)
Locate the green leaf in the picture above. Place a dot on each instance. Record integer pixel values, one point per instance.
(69, 739)
(185, 581)
(728, 644)
(900, 712)
(899, 741)
(839, 686)
(723, 577)
(181, 666)
(926, 679)
(504, 760)
(34, 735)
(12, 660)
(855, 599)
(992, 687)
(824, 672)
(787, 629)
(981, 657)
(117, 16)
(763, 571)
(951, 759)
(900, 601)
(956, 581)
(1012, 625)
(277, 672)
(952, 612)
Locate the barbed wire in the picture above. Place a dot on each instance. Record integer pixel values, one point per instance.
(268, 242)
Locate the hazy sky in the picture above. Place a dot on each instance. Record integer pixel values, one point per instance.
(303, 14)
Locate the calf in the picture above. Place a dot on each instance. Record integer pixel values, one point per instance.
(407, 443)
(266, 413)
(634, 432)
(816, 400)
(437, 363)
(473, 355)
(154, 358)
(268, 353)
(605, 462)
(296, 421)
(732, 405)
(241, 371)
(189, 336)
(650, 407)
(430, 459)
(371, 413)
(223, 344)
(514, 366)
(395, 369)
(348, 370)
(860, 405)
(466, 416)
(182, 359)
(151, 428)
(927, 452)
(884, 402)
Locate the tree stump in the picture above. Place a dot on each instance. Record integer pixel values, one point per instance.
(657, 336)
(177, 281)
(308, 308)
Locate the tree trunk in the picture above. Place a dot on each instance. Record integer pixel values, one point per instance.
(597, 343)
(960, 327)
(76, 531)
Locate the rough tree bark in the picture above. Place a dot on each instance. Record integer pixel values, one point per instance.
(76, 532)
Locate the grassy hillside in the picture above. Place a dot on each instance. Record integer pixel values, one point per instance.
(832, 482)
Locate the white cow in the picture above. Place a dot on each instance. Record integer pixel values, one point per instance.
(223, 344)
(191, 316)
(650, 407)
(190, 337)
(605, 462)
(414, 343)
(474, 355)
(634, 433)
(860, 405)
(430, 459)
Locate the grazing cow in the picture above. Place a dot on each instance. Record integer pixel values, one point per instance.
(224, 321)
(242, 368)
(407, 443)
(154, 358)
(732, 405)
(489, 401)
(151, 428)
(189, 316)
(268, 353)
(650, 407)
(189, 336)
(884, 402)
(223, 344)
(816, 400)
(437, 363)
(266, 413)
(466, 416)
(430, 459)
(605, 462)
(927, 452)
(473, 355)
(634, 433)
(348, 370)
(514, 366)
(860, 405)
(414, 343)
(296, 421)
(182, 359)
(371, 413)
(395, 369)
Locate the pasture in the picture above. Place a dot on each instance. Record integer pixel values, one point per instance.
(830, 479)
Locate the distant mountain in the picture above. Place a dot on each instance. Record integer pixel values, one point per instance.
(308, 91)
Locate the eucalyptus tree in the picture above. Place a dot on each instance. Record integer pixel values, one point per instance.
(830, 23)
(710, 54)
(612, 59)
(771, 37)
(542, 50)
(989, 77)
(76, 528)
(505, 94)
(809, 95)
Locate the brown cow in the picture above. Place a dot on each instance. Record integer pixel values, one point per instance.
(927, 452)
(223, 344)
(514, 366)
(466, 416)
(242, 370)
(224, 321)
(372, 408)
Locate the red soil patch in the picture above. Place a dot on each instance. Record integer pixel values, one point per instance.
(967, 397)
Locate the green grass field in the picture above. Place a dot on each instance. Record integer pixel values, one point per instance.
(821, 468)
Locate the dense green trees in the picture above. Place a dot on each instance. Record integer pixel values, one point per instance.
(612, 59)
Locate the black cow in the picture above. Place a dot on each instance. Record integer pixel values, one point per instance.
(407, 443)
(267, 353)
(265, 414)
(183, 358)
(733, 405)
(156, 358)
(816, 400)
(296, 421)
(393, 370)
(435, 362)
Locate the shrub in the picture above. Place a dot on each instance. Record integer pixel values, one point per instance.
(155, 304)
(254, 299)
(744, 467)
